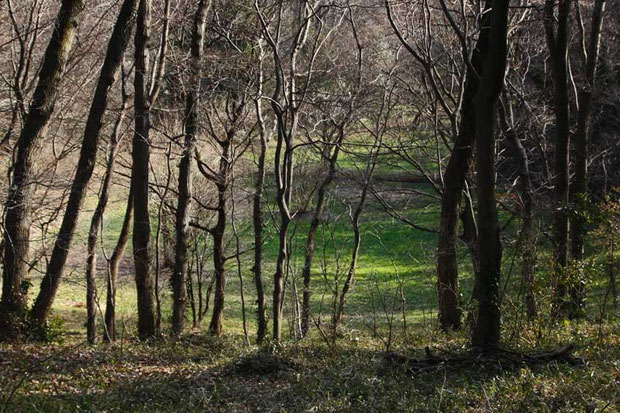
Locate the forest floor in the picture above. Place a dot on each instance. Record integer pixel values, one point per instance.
(202, 373)
(391, 309)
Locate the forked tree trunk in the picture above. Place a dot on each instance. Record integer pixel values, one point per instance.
(486, 334)
(86, 164)
(140, 179)
(20, 195)
(454, 184)
(185, 172)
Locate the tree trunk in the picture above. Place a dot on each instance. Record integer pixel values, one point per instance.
(113, 265)
(19, 200)
(219, 259)
(526, 235)
(579, 193)
(93, 232)
(557, 42)
(454, 184)
(86, 164)
(185, 172)
(258, 222)
(140, 179)
(314, 225)
(487, 330)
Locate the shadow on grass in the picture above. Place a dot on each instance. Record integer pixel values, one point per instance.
(200, 373)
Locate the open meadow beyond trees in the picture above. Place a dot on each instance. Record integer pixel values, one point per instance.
(295, 205)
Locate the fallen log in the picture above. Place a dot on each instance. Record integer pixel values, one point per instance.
(501, 357)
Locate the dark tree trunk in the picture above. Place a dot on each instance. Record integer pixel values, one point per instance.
(140, 179)
(218, 232)
(486, 334)
(86, 164)
(185, 172)
(557, 42)
(454, 184)
(579, 192)
(18, 205)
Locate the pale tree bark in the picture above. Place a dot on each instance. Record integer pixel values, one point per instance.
(18, 205)
(331, 154)
(86, 164)
(486, 333)
(286, 101)
(257, 208)
(192, 104)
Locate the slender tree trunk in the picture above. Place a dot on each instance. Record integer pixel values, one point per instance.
(192, 104)
(140, 179)
(454, 184)
(113, 266)
(486, 334)
(86, 164)
(579, 193)
(95, 223)
(258, 223)
(557, 42)
(219, 258)
(284, 176)
(19, 200)
(257, 208)
(314, 225)
(528, 246)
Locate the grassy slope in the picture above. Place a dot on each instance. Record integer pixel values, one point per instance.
(198, 372)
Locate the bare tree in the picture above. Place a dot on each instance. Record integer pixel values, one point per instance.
(486, 333)
(140, 177)
(557, 31)
(86, 164)
(579, 190)
(185, 170)
(95, 223)
(17, 208)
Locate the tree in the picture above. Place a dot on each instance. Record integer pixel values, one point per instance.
(557, 31)
(185, 170)
(486, 333)
(140, 177)
(18, 204)
(93, 234)
(257, 201)
(86, 163)
(579, 190)
(454, 177)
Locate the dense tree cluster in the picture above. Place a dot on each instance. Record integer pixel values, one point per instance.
(212, 119)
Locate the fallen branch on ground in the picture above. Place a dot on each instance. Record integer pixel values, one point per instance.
(502, 358)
